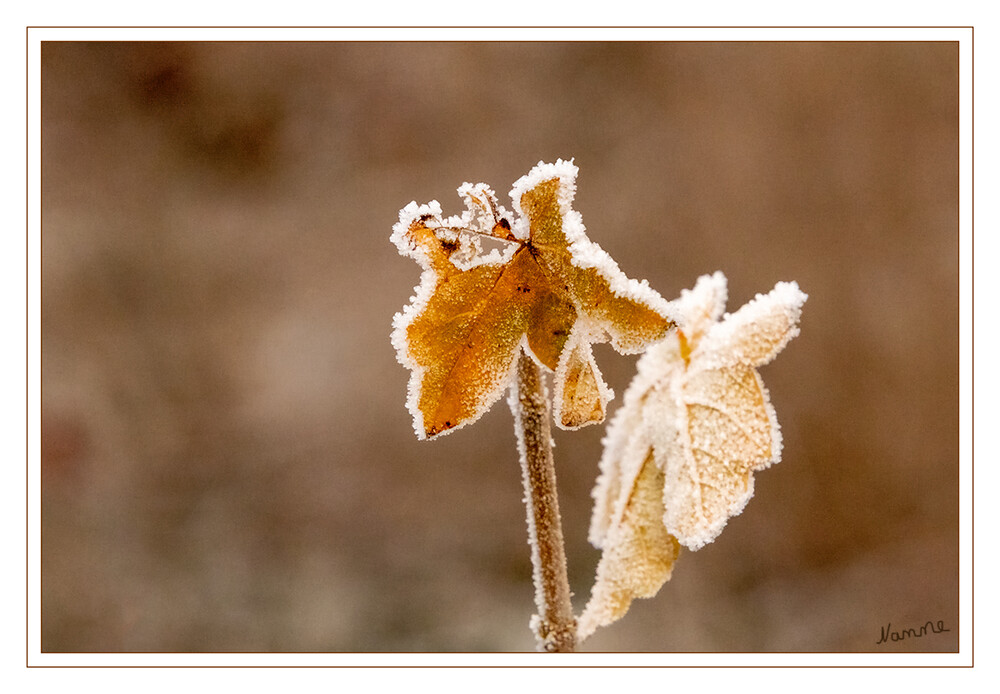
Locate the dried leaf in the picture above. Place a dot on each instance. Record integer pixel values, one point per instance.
(550, 291)
(639, 553)
(698, 413)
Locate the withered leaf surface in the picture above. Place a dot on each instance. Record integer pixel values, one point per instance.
(550, 291)
(639, 553)
(698, 414)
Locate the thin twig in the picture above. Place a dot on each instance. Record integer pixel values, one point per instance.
(554, 625)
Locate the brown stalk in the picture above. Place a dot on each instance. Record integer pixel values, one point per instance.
(554, 625)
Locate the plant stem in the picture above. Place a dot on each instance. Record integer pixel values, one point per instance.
(554, 625)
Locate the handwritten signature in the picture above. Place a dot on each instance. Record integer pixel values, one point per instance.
(929, 627)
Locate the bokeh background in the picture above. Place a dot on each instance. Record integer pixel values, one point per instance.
(227, 461)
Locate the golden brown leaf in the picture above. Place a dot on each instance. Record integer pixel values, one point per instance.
(551, 291)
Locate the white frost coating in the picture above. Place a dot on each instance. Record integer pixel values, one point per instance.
(757, 332)
(705, 433)
(623, 451)
(585, 253)
(516, 403)
(484, 209)
(407, 216)
(481, 219)
(425, 289)
(704, 305)
(583, 334)
(422, 293)
(642, 409)
(565, 171)
(680, 454)
(477, 218)
(516, 409)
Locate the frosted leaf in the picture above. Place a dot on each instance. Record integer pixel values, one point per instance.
(580, 391)
(755, 334)
(702, 306)
(550, 291)
(639, 554)
(697, 411)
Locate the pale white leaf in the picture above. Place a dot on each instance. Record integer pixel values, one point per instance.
(695, 424)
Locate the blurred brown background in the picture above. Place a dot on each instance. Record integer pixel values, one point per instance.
(227, 461)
